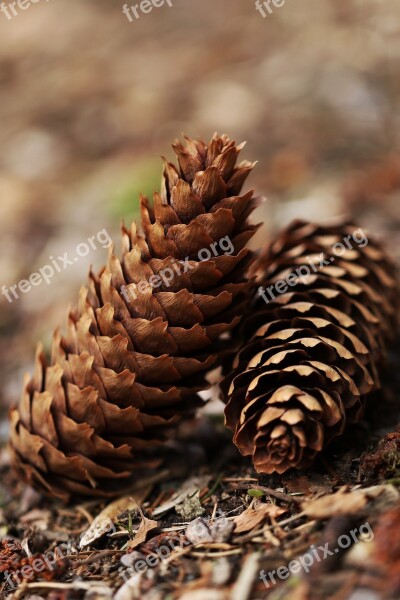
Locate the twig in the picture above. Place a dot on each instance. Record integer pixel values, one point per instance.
(76, 585)
(249, 536)
(217, 554)
(233, 479)
(99, 555)
(174, 555)
(279, 495)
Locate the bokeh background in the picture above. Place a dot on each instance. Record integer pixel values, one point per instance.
(89, 102)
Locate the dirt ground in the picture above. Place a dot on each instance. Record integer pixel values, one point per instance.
(89, 102)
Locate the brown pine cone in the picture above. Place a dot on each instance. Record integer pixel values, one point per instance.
(145, 332)
(314, 343)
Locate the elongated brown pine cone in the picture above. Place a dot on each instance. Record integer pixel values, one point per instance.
(313, 351)
(144, 333)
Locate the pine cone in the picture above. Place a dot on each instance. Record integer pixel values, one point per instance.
(145, 332)
(312, 353)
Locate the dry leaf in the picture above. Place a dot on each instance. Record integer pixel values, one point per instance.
(386, 490)
(335, 504)
(145, 526)
(251, 517)
(104, 522)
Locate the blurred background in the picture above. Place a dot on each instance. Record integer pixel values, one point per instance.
(89, 101)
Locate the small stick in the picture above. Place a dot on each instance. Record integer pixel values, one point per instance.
(279, 495)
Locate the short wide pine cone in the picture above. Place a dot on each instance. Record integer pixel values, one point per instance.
(144, 333)
(318, 330)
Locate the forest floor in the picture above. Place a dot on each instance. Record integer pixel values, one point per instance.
(210, 528)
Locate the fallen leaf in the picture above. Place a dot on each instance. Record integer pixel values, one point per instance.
(145, 526)
(387, 490)
(251, 517)
(346, 503)
(104, 522)
(383, 496)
